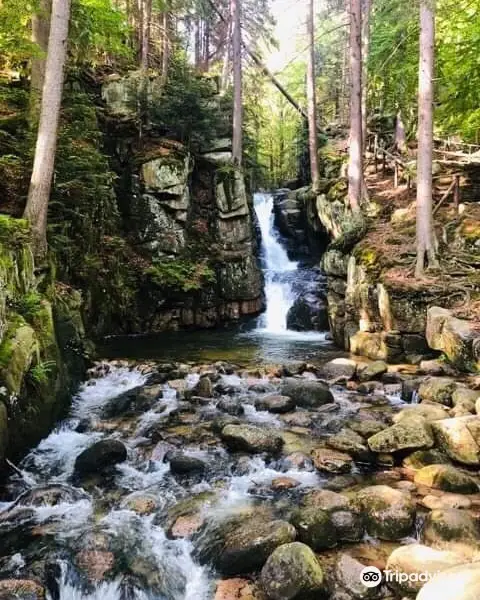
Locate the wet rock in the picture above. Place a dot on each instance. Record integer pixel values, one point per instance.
(242, 543)
(349, 526)
(459, 438)
(369, 387)
(204, 387)
(238, 589)
(308, 313)
(445, 526)
(339, 368)
(419, 563)
(293, 572)
(284, 483)
(437, 389)
(445, 501)
(409, 434)
(247, 438)
(95, 563)
(183, 464)
(446, 478)
(315, 528)
(326, 500)
(299, 419)
(50, 495)
(409, 389)
(186, 517)
(331, 461)
(341, 483)
(307, 393)
(457, 583)
(21, 589)
(466, 397)
(427, 410)
(297, 460)
(231, 407)
(275, 404)
(348, 441)
(389, 514)
(373, 371)
(348, 571)
(140, 503)
(100, 456)
(423, 458)
(366, 428)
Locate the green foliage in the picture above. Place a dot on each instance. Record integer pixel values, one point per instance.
(13, 232)
(16, 46)
(41, 373)
(29, 305)
(181, 275)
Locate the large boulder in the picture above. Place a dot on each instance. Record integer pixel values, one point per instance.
(451, 528)
(307, 393)
(308, 313)
(446, 478)
(409, 434)
(242, 543)
(315, 528)
(389, 514)
(437, 389)
(430, 411)
(248, 438)
(293, 572)
(339, 368)
(275, 404)
(459, 438)
(348, 571)
(419, 563)
(423, 458)
(373, 370)
(100, 456)
(458, 583)
(21, 589)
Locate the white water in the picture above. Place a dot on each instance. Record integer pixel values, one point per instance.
(278, 289)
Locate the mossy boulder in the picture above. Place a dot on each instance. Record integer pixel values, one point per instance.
(293, 572)
(459, 438)
(315, 528)
(446, 478)
(423, 458)
(248, 438)
(437, 389)
(409, 434)
(455, 527)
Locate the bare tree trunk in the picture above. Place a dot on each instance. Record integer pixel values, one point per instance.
(226, 59)
(146, 23)
(312, 99)
(40, 32)
(355, 165)
(366, 10)
(206, 40)
(237, 145)
(36, 210)
(165, 48)
(196, 26)
(426, 251)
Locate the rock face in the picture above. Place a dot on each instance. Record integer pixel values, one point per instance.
(293, 572)
(308, 313)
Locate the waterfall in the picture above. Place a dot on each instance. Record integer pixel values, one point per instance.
(277, 268)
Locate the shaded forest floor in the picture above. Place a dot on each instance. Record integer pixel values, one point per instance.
(389, 246)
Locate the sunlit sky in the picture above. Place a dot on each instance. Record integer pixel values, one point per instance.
(290, 17)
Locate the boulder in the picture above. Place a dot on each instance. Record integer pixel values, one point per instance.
(349, 525)
(389, 514)
(423, 458)
(242, 543)
(420, 563)
(450, 526)
(231, 406)
(339, 368)
(140, 503)
(409, 434)
(307, 393)
(326, 500)
(21, 589)
(332, 461)
(315, 528)
(95, 563)
(446, 500)
(446, 478)
(293, 572)
(182, 464)
(459, 438)
(373, 371)
(437, 389)
(308, 313)
(430, 411)
(100, 456)
(463, 395)
(347, 572)
(204, 387)
(276, 404)
(366, 428)
(248, 438)
(458, 583)
(348, 441)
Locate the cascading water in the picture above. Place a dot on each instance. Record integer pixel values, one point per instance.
(278, 268)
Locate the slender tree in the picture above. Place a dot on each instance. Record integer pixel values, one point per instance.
(40, 31)
(355, 165)
(312, 99)
(36, 209)
(237, 146)
(366, 10)
(426, 251)
(146, 26)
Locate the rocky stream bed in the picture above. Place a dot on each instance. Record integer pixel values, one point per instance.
(212, 481)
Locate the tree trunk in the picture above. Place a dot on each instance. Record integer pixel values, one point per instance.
(36, 209)
(355, 166)
(237, 146)
(196, 26)
(366, 10)
(226, 59)
(425, 233)
(146, 23)
(400, 135)
(40, 32)
(165, 48)
(312, 99)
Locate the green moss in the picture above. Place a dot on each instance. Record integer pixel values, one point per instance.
(13, 232)
(181, 275)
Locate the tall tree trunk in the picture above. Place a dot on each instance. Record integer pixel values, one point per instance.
(206, 48)
(36, 209)
(366, 11)
(165, 48)
(312, 99)
(196, 25)
(425, 234)
(355, 166)
(237, 146)
(226, 59)
(146, 24)
(40, 32)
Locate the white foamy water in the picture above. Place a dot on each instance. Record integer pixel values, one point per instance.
(260, 416)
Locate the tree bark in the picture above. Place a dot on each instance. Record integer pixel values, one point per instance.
(146, 24)
(237, 145)
(165, 48)
(36, 210)
(366, 10)
(226, 59)
(40, 32)
(355, 165)
(426, 251)
(312, 99)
